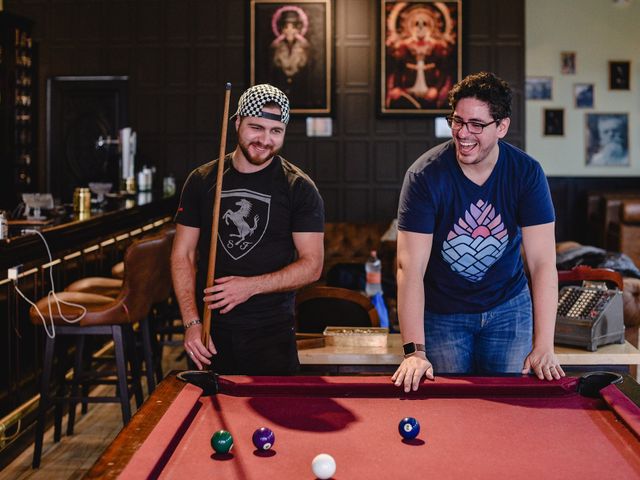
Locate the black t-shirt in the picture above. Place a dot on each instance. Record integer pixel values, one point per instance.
(258, 213)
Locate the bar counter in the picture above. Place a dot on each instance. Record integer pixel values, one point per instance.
(68, 231)
(79, 247)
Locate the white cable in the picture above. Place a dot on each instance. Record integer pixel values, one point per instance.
(44, 321)
(50, 294)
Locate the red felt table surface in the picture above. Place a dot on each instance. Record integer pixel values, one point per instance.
(526, 434)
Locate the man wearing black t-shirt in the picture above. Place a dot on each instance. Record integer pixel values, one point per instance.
(270, 243)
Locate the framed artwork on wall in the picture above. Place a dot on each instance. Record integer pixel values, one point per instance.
(538, 88)
(619, 73)
(568, 63)
(420, 56)
(291, 48)
(583, 95)
(553, 121)
(607, 139)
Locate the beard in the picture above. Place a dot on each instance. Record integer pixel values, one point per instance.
(255, 159)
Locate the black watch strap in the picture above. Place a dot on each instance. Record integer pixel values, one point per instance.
(411, 348)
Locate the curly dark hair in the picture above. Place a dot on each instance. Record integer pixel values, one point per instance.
(486, 87)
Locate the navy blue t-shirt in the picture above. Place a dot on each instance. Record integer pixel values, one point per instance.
(475, 262)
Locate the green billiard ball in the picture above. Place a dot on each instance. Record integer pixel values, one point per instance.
(222, 441)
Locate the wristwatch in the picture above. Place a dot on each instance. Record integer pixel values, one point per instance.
(411, 348)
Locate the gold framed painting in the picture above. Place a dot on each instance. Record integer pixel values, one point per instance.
(291, 48)
(420, 56)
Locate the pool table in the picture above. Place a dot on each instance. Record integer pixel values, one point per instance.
(471, 427)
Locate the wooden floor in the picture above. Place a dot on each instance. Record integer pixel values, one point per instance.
(73, 456)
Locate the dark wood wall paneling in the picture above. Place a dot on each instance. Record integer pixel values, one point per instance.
(494, 41)
(178, 55)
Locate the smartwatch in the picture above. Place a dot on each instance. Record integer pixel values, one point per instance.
(411, 348)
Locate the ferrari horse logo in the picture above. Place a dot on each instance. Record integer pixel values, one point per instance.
(244, 221)
(238, 218)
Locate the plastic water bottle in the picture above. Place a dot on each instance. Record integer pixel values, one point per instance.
(381, 308)
(373, 270)
(373, 289)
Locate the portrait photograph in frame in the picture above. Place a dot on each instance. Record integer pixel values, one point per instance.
(607, 139)
(568, 63)
(619, 75)
(538, 88)
(583, 95)
(420, 56)
(553, 122)
(291, 48)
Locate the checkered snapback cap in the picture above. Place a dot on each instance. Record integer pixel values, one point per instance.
(254, 99)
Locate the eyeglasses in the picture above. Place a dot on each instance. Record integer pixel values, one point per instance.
(472, 127)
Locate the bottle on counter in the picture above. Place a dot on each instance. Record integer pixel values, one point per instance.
(169, 186)
(373, 288)
(82, 200)
(145, 179)
(373, 270)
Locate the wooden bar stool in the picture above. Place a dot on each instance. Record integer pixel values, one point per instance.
(117, 271)
(145, 265)
(111, 287)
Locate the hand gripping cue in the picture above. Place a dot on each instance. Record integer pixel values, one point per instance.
(211, 271)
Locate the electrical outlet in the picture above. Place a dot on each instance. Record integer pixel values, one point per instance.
(13, 272)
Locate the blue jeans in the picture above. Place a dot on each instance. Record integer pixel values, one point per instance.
(495, 341)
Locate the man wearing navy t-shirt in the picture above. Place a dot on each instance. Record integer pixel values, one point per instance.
(270, 243)
(466, 208)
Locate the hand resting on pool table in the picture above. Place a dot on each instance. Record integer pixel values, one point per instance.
(411, 370)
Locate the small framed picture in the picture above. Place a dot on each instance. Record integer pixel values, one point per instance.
(568, 63)
(619, 73)
(583, 95)
(538, 88)
(554, 121)
(607, 139)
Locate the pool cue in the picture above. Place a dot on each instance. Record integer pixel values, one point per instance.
(213, 244)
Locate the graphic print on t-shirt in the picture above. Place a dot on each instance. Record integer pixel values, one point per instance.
(475, 242)
(244, 216)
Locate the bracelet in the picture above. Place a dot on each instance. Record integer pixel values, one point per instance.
(192, 323)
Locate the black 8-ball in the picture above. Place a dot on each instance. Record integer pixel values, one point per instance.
(409, 428)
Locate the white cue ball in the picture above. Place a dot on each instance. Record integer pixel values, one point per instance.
(323, 466)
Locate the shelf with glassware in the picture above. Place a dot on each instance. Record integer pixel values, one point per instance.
(18, 107)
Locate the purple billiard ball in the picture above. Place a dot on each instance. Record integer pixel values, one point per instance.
(409, 428)
(263, 438)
